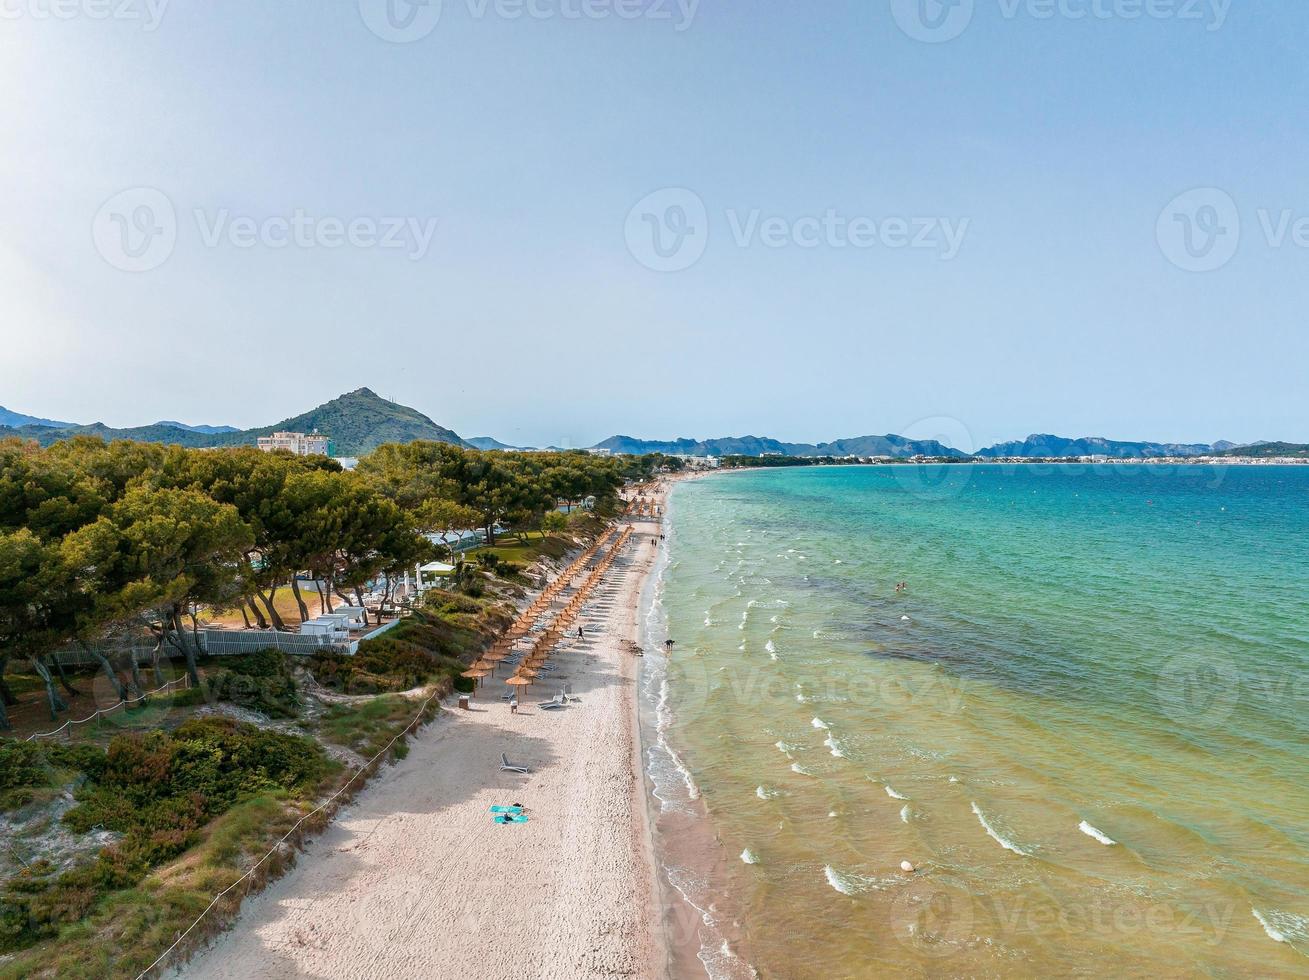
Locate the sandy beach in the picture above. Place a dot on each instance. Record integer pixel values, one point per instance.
(415, 880)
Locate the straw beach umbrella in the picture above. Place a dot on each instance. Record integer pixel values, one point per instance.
(518, 683)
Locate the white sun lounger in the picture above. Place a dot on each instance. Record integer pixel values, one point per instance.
(506, 767)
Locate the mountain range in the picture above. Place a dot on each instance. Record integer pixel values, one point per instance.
(360, 421)
(209, 430)
(1053, 447)
(887, 445)
(487, 443)
(357, 423)
(14, 420)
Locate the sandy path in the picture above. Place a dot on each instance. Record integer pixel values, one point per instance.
(414, 880)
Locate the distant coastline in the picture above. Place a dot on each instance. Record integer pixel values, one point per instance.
(766, 462)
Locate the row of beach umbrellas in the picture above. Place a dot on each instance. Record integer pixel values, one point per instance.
(527, 671)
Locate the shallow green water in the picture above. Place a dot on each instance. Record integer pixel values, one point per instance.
(1086, 721)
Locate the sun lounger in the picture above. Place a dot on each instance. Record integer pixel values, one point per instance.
(511, 818)
(554, 704)
(506, 767)
(507, 809)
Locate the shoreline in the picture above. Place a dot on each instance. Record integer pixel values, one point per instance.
(414, 878)
(701, 923)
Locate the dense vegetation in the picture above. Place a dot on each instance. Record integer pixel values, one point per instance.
(106, 541)
(1267, 450)
(153, 792)
(171, 801)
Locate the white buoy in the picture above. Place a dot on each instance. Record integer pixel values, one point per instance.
(904, 619)
(906, 866)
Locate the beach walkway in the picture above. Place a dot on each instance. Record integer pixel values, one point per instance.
(416, 880)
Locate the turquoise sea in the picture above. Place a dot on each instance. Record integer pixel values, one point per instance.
(1085, 720)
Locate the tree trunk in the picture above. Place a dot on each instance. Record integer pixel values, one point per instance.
(138, 688)
(326, 593)
(359, 598)
(259, 616)
(154, 662)
(187, 649)
(57, 704)
(299, 599)
(4, 717)
(63, 678)
(7, 698)
(107, 667)
(271, 606)
(244, 615)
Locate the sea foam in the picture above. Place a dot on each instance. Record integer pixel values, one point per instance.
(894, 795)
(1099, 835)
(839, 881)
(1282, 927)
(1008, 845)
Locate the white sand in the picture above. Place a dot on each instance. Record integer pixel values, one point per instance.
(414, 880)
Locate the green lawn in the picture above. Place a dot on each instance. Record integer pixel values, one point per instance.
(523, 553)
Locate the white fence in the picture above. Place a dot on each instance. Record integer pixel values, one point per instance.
(220, 643)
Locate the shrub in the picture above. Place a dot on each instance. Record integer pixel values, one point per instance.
(157, 790)
(21, 764)
(261, 682)
(189, 697)
(26, 766)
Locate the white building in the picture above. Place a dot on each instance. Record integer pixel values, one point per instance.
(296, 443)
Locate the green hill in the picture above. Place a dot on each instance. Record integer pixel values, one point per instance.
(1262, 450)
(357, 423)
(361, 421)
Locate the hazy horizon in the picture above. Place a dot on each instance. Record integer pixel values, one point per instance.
(941, 429)
(553, 222)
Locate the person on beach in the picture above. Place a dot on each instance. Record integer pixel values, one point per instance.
(580, 634)
(669, 644)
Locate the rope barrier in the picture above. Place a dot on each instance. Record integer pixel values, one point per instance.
(273, 850)
(105, 711)
(318, 809)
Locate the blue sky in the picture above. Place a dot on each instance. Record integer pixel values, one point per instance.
(975, 237)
